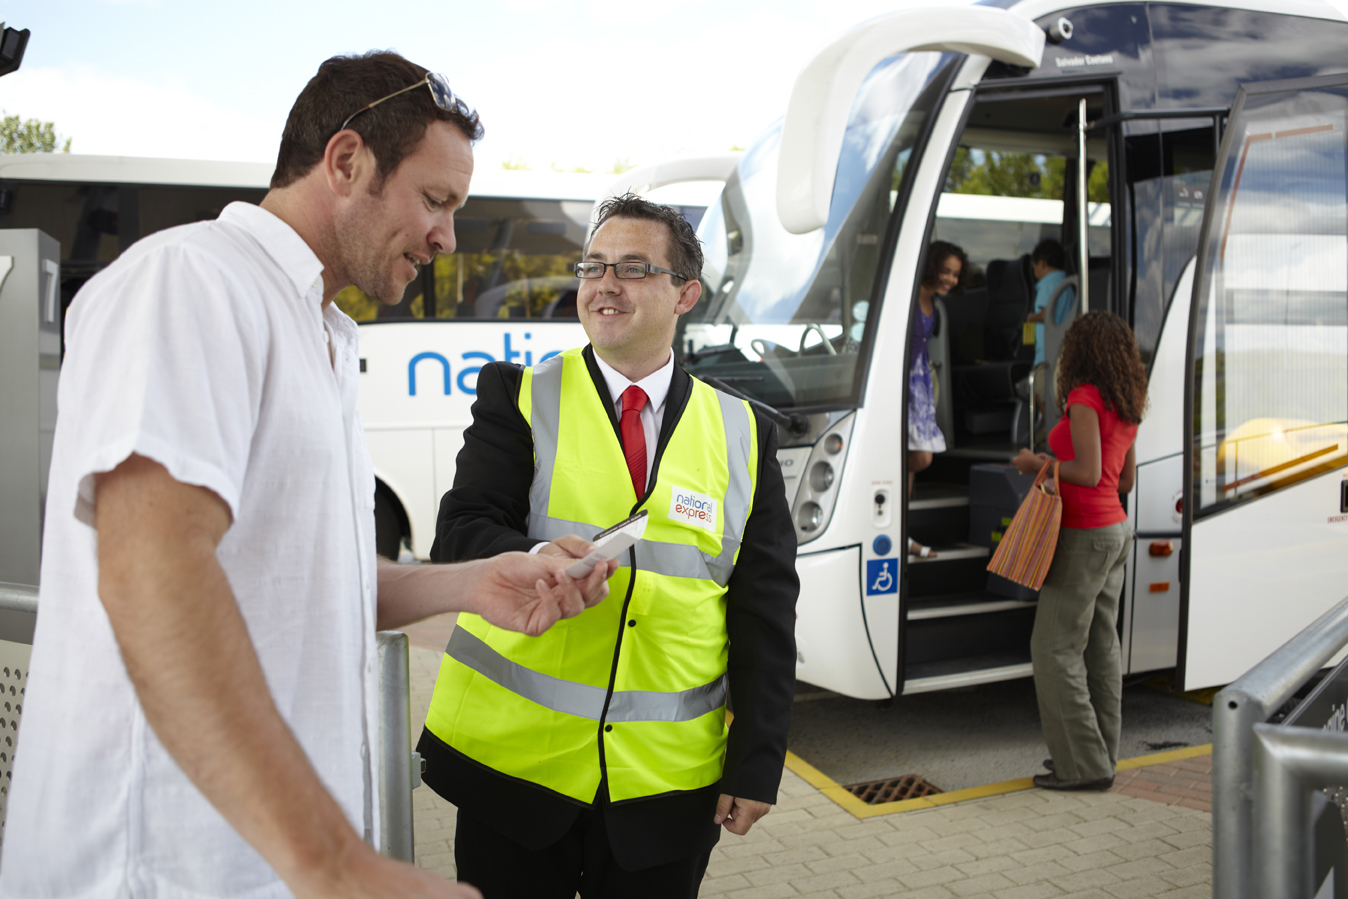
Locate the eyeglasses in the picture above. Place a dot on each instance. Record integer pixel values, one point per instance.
(440, 93)
(625, 271)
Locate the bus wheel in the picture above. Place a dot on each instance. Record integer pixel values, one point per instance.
(388, 533)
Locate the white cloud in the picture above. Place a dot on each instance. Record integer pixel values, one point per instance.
(126, 117)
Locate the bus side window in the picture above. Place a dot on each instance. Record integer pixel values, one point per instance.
(1271, 374)
(1168, 172)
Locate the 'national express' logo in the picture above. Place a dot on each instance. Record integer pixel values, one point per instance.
(696, 509)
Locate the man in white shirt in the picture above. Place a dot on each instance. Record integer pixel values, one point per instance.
(202, 700)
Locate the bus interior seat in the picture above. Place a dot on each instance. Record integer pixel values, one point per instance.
(1009, 294)
(989, 363)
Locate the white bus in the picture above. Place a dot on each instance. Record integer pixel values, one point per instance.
(508, 293)
(1191, 158)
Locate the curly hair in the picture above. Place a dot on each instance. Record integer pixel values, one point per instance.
(937, 254)
(1100, 349)
(685, 250)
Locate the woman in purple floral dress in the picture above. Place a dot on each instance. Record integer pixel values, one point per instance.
(944, 274)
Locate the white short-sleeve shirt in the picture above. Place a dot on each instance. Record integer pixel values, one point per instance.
(205, 348)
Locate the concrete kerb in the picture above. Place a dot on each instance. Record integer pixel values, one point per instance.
(860, 810)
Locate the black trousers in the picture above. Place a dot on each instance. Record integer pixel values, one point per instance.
(580, 862)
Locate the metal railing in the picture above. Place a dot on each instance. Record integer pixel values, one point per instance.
(399, 767)
(1263, 775)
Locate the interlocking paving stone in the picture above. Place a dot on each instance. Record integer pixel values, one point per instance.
(1030, 844)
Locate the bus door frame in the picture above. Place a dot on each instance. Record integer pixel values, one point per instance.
(1103, 83)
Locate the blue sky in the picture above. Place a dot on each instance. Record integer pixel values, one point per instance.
(567, 82)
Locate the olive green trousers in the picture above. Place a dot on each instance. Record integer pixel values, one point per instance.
(1075, 650)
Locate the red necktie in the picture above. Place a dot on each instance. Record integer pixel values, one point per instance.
(634, 437)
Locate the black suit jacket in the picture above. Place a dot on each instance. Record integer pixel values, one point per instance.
(487, 512)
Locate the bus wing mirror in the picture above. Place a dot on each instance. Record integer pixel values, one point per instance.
(645, 178)
(821, 100)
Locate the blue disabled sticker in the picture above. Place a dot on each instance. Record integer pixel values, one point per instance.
(882, 576)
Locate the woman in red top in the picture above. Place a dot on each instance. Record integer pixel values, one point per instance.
(1075, 646)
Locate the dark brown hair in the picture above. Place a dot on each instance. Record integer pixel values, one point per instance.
(391, 130)
(1049, 252)
(1100, 349)
(685, 250)
(937, 254)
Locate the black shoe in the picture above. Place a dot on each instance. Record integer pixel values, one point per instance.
(1052, 782)
(1048, 765)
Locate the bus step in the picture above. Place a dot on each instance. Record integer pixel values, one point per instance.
(939, 522)
(957, 568)
(960, 636)
(949, 605)
(967, 672)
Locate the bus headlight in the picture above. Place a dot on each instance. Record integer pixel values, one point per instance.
(809, 517)
(818, 494)
(821, 476)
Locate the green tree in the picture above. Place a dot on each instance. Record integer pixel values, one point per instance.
(29, 136)
(1019, 175)
(620, 165)
(516, 164)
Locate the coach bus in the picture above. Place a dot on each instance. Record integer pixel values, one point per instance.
(507, 293)
(1191, 159)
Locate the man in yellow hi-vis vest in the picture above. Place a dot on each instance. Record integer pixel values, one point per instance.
(598, 757)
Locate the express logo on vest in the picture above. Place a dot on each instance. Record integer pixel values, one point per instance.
(696, 509)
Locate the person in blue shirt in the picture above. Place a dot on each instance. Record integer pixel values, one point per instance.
(1048, 259)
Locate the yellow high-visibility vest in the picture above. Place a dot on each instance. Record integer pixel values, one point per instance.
(636, 684)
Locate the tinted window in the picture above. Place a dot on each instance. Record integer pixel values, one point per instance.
(1169, 168)
(786, 317)
(514, 258)
(1271, 379)
(1203, 54)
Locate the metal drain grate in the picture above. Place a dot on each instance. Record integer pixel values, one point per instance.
(895, 789)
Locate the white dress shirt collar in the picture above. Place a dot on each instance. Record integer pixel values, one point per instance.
(655, 385)
(280, 241)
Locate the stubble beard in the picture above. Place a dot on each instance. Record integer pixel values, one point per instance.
(360, 257)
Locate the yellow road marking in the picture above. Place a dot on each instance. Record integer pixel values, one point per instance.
(854, 806)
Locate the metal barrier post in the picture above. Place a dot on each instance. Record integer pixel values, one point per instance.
(1238, 714)
(399, 767)
(18, 616)
(1290, 763)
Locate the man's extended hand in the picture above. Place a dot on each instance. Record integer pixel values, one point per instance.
(530, 593)
(568, 546)
(738, 815)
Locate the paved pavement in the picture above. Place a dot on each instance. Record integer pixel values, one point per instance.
(1151, 836)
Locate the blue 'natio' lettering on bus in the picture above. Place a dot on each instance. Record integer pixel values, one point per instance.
(412, 371)
(485, 357)
(510, 354)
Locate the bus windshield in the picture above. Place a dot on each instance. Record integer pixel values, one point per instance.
(783, 318)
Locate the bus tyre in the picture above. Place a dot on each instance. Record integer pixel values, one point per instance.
(388, 535)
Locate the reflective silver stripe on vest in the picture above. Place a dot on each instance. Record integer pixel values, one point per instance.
(739, 491)
(672, 559)
(546, 398)
(583, 700)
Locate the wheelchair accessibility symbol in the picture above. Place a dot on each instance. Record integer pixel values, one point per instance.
(882, 576)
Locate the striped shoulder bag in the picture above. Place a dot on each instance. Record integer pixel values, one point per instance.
(1026, 548)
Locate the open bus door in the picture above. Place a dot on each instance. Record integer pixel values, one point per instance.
(1266, 388)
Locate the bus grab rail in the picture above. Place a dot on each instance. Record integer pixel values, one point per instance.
(1270, 858)
(399, 767)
